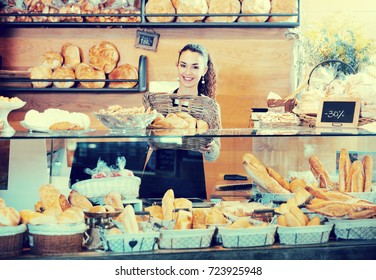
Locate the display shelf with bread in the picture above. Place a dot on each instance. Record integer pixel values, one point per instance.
(83, 78)
(152, 13)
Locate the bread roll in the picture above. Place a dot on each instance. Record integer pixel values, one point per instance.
(160, 7)
(192, 7)
(315, 221)
(155, 211)
(276, 176)
(52, 60)
(176, 122)
(9, 216)
(50, 198)
(78, 200)
(126, 72)
(27, 215)
(63, 73)
(255, 7)
(368, 167)
(199, 218)
(114, 199)
(298, 213)
(72, 55)
(202, 126)
(168, 205)
(343, 169)
(104, 56)
(85, 71)
(291, 220)
(97, 209)
(223, 7)
(281, 220)
(320, 172)
(283, 7)
(241, 222)
(40, 72)
(69, 217)
(183, 220)
(2, 203)
(79, 211)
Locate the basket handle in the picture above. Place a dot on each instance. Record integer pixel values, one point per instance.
(326, 62)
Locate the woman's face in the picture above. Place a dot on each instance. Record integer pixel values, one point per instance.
(191, 67)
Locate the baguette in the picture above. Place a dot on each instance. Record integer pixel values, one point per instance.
(357, 180)
(320, 172)
(276, 176)
(168, 205)
(258, 173)
(355, 166)
(343, 169)
(367, 166)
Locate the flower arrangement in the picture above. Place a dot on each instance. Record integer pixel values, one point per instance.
(337, 37)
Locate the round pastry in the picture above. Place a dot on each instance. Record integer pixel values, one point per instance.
(9, 216)
(223, 7)
(255, 7)
(40, 72)
(283, 7)
(85, 71)
(104, 56)
(51, 59)
(63, 73)
(71, 54)
(192, 7)
(160, 7)
(125, 72)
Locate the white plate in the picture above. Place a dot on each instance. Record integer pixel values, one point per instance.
(11, 105)
(36, 128)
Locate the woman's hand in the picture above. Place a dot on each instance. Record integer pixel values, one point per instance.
(206, 148)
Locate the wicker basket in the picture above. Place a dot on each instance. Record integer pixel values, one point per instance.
(185, 239)
(304, 235)
(56, 239)
(138, 242)
(11, 241)
(200, 107)
(354, 229)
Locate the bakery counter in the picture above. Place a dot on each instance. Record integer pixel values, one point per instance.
(333, 250)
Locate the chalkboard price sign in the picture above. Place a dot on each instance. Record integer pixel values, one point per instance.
(147, 40)
(338, 112)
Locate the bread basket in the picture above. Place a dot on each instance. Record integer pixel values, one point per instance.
(56, 239)
(305, 234)
(145, 241)
(200, 107)
(354, 229)
(11, 241)
(186, 239)
(95, 189)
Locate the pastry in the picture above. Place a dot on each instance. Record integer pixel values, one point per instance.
(104, 56)
(50, 198)
(40, 72)
(85, 71)
(160, 7)
(223, 7)
(255, 7)
(71, 54)
(284, 7)
(192, 7)
(123, 72)
(63, 73)
(52, 60)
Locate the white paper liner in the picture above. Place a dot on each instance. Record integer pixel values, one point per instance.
(139, 242)
(12, 230)
(185, 239)
(354, 229)
(304, 235)
(57, 229)
(95, 189)
(247, 237)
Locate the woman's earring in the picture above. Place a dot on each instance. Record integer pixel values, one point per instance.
(202, 80)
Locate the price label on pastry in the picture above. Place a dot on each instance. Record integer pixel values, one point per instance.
(338, 112)
(147, 40)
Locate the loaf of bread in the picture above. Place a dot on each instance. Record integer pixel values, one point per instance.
(114, 199)
(40, 72)
(72, 55)
(284, 7)
(276, 176)
(160, 7)
(223, 7)
(199, 218)
(182, 203)
(123, 72)
(242, 222)
(183, 220)
(297, 184)
(368, 167)
(85, 71)
(255, 7)
(64, 203)
(320, 172)
(63, 73)
(155, 211)
(215, 216)
(199, 7)
(352, 178)
(168, 205)
(52, 60)
(50, 198)
(104, 56)
(129, 220)
(258, 173)
(79, 200)
(9, 216)
(343, 169)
